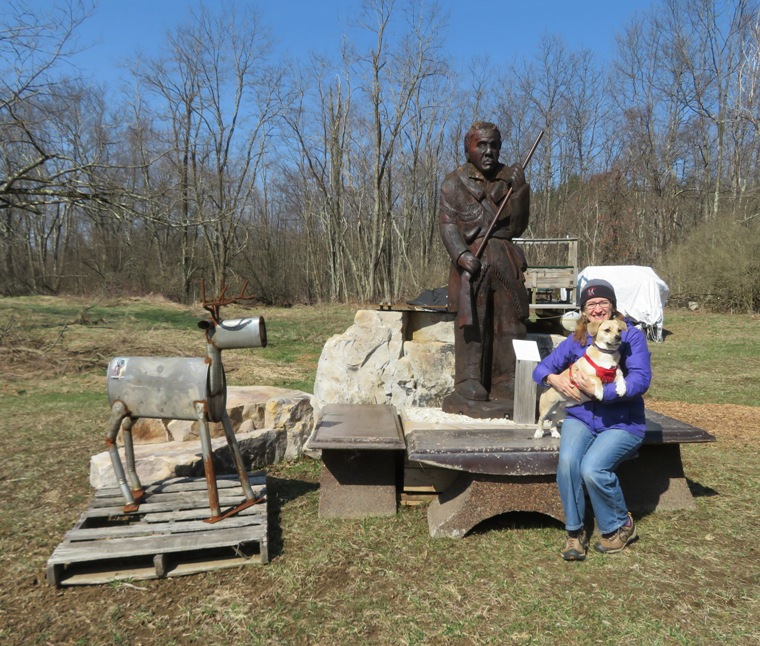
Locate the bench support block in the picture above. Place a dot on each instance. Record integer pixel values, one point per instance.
(473, 498)
(655, 481)
(358, 484)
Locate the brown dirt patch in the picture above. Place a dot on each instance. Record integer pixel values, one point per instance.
(727, 422)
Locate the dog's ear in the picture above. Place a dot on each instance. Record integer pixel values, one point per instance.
(593, 327)
(623, 326)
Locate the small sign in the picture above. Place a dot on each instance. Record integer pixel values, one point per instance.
(117, 367)
(526, 350)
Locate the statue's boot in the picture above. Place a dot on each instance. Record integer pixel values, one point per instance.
(472, 390)
(503, 391)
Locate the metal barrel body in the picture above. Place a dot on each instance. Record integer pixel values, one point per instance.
(161, 387)
(239, 333)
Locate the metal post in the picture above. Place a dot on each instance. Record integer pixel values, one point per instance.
(129, 454)
(118, 413)
(237, 456)
(208, 461)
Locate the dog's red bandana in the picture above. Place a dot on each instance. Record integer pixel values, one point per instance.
(606, 375)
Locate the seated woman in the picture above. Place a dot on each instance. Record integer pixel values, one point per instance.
(597, 435)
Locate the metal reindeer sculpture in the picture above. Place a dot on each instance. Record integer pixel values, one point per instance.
(192, 389)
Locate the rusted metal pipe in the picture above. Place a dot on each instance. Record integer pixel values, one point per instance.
(208, 462)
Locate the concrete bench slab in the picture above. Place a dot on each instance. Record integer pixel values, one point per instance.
(361, 446)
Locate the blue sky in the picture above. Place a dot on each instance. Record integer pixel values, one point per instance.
(120, 29)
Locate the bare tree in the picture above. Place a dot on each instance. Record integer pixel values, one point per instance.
(216, 97)
(317, 120)
(390, 72)
(34, 98)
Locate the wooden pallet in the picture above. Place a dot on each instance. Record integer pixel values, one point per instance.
(167, 536)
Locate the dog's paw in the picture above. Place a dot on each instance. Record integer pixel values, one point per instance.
(599, 392)
(555, 433)
(539, 433)
(620, 388)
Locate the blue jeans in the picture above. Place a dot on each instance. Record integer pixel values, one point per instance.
(588, 460)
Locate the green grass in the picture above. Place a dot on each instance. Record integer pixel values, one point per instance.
(708, 358)
(691, 579)
(296, 336)
(55, 312)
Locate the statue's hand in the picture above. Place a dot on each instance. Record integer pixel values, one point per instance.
(515, 176)
(470, 263)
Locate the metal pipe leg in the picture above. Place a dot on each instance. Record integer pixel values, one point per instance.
(129, 453)
(208, 462)
(118, 413)
(237, 456)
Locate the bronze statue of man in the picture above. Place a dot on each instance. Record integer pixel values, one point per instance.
(494, 283)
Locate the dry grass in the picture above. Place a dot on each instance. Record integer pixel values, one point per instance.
(691, 579)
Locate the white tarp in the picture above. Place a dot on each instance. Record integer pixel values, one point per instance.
(641, 294)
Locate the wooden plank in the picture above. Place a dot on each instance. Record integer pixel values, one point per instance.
(152, 507)
(188, 498)
(422, 478)
(130, 571)
(163, 544)
(157, 528)
(196, 514)
(416, 499)
(553, 306)
(175, 494)
(174, 485)
(525, 391)
(530, 241)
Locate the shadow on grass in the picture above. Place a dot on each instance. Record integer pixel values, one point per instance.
(516, 520)
(700, 491)
(279, 492)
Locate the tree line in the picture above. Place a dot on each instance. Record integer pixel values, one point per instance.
(317, 180)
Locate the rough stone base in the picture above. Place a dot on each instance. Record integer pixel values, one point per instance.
(358, 484)
(655, 481)
(155, 462)
(474, 498)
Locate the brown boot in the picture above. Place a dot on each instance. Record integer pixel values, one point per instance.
(472, 390)
(617, 541)
(576, 546)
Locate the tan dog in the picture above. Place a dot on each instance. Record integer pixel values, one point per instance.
(599, 364)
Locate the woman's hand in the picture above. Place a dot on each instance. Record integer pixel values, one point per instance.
(585, 384)
(562, 384)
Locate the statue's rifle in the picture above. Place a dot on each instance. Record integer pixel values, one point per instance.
(464, 313)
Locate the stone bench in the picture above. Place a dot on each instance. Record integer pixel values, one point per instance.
(494, 470)
(361, 446)
(504, 469)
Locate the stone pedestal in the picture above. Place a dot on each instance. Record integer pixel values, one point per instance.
(474, 498)
(655, 481)
(358, 484)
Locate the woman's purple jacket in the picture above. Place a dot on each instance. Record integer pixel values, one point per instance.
(625, 412)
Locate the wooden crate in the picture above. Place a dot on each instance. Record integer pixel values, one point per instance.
(425, 479)
(167, 536)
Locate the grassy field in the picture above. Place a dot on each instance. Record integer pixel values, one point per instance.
(691, 579)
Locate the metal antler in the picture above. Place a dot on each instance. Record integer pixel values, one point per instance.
(213, 306)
